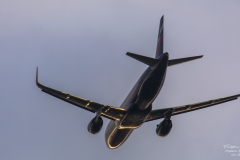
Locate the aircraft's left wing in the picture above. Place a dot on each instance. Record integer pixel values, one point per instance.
(159, 113)
(109, 112)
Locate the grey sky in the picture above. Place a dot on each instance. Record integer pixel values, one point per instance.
(80, 48)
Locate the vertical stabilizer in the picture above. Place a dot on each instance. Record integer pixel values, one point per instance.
(159, 49)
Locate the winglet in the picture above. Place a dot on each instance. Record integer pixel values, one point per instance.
(37, 75)
(37, 83)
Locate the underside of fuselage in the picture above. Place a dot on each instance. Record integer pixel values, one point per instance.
(139, 106)
(115, 137)
(153, 83)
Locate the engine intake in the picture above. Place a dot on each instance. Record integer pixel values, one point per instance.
(95, 125)
(164, 128)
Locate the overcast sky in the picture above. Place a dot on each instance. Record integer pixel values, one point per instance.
(79, 47)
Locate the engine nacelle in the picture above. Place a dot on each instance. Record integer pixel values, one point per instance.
(95, 125)
(164, 128)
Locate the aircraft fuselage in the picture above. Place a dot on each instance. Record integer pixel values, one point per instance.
(138, 103)
(136, 109)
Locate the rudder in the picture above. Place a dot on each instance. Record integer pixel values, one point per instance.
(159, 49)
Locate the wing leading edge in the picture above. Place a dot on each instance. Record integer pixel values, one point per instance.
(106, 111)
(159, 113)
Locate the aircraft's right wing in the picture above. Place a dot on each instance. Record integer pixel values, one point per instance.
(159, 113)
(110, 112)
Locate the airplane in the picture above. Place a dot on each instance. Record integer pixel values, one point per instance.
(136, 109)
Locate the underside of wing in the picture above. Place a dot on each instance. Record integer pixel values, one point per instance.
(159, 113)
(109, 112)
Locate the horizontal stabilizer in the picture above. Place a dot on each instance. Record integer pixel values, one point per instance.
(182, 60)
(147, 60)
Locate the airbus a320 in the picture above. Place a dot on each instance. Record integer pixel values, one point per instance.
(136, 109)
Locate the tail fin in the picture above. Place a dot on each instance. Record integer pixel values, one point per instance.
(159, 49)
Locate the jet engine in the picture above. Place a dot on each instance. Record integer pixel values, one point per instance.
(164, 128)
(95, 125)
